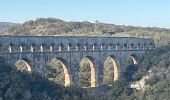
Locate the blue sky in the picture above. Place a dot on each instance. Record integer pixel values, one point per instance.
(122, 12)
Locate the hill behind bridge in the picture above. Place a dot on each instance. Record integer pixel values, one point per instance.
(6, 25)
(155, 65)
(53, 26)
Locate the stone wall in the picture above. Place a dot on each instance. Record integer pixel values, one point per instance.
(70, 50)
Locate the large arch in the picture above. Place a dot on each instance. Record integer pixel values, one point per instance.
(131, 61)
(93, 81)
(134, 59)
(67, 75)
(112, 70)
(23, 64)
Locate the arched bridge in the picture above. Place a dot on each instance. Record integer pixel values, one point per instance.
(37, 51)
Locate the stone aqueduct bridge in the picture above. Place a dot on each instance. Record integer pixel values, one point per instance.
(37, 51)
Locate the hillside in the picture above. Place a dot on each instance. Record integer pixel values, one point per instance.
(52, 26)
(16, 85)
(21, 85)
(6, 25)
(153, 71)
(34, 87)
(156, 66)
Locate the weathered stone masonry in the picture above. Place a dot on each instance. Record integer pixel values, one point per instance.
(36, 51)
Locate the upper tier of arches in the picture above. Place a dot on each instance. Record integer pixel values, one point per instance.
(72, 43)
(11, 47)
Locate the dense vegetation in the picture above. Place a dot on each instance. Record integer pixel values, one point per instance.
(52, 26)
(156, 65)
(6, 25)
(84, 74)
(18, 85)
(55, 72)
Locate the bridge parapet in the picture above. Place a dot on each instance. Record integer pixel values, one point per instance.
(21, 44)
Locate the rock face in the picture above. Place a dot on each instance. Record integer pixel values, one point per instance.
(37, 51)
(140, 85)
(6, 25)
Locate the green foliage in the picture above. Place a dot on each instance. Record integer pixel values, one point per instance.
(129, 61)
(16, 85)
(156, 64)
(119, 88)
(153, 80)
(53, 26)
(157, 60)
(54, 72)
(20, 65)
(130, 71)
(108, 76)
(84, 74)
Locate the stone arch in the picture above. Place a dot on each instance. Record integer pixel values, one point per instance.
(110, 46)
(86, 46)
(131, 62)
(69, 46)
(118, 46)
(61, 47)
(21, 47)
(67, 75)
(114, 47)
(134, 58)
(52, 47)
(93, 81)
(125, 46)
(151, 45)
(102, 46)
(23, 63)
(93, 46)
(42, 47)
(78, 47)
(11, 47)
(132, 46)
(139, 46)
(33, 45)
(115, 69)
(144, 46)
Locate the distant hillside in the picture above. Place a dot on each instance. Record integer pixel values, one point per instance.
(52, 26)
(156, 67)
(6, 25)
